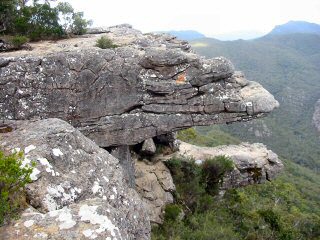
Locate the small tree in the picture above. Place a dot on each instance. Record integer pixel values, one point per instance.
(79, 25)
(13, 178)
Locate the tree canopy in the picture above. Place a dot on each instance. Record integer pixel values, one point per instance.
(40, 20)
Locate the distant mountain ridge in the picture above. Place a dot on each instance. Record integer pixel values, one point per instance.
(187, 35)
(296, 27)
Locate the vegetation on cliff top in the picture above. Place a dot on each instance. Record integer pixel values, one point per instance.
(36, 21)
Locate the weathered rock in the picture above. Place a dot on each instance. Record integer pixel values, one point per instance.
(122, 153)
(254, 163)
(153, 84)
(316, 115)
(155, 186)
(148, 147)
(78, 189)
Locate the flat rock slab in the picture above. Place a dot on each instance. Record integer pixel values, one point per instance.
(253, 163)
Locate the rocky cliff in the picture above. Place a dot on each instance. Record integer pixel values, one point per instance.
(316, 115)
(78, 189)
(151, 85)
(148, 87)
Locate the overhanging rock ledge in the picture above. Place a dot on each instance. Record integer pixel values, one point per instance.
(151, 85)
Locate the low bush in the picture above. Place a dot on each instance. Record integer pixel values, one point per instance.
(18, 41)
(172, 212)
(212, 172)
(104, 43)
(13, 177)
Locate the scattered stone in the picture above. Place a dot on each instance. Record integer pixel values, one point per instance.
(148, 147)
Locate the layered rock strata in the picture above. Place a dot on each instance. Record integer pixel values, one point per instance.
(150, 85)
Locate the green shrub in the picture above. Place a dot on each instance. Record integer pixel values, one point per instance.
(172, 212)
(13, 178)
(187, 135)
(212, 172)
(18, 41)
(271, 218)
(104, 43)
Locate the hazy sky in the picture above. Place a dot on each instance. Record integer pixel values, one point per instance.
(209, 17)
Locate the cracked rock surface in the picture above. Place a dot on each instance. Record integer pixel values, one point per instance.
(155, 185)
(78, 189)
(151, 85)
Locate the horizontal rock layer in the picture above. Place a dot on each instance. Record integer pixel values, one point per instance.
(151, 85)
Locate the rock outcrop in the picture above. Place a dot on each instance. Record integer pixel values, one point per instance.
(151, 85)
(78, 189)
(155, 185)
(136, 94)
(316, 115)
(254, 163)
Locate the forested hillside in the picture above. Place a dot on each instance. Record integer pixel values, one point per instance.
(284, 209)
(288, 66)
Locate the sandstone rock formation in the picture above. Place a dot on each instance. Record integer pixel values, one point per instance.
(316, 115)
(254, 163)
(155, 186)
(78, 189)
(151, 85)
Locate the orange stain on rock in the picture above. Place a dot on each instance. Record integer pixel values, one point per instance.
(181, 78)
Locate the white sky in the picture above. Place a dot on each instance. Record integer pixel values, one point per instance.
(213, 17)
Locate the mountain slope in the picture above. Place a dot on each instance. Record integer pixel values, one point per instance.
(296, 27)
(289, 67)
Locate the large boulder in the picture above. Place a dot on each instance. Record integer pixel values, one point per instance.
(78, 189)
(151, 85)
(253, 163)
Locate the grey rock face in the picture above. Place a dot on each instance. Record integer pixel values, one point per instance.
(316, 115)
(155, 186)
(153, 84)
(122, 153)
(78, 189)
(254, 163)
